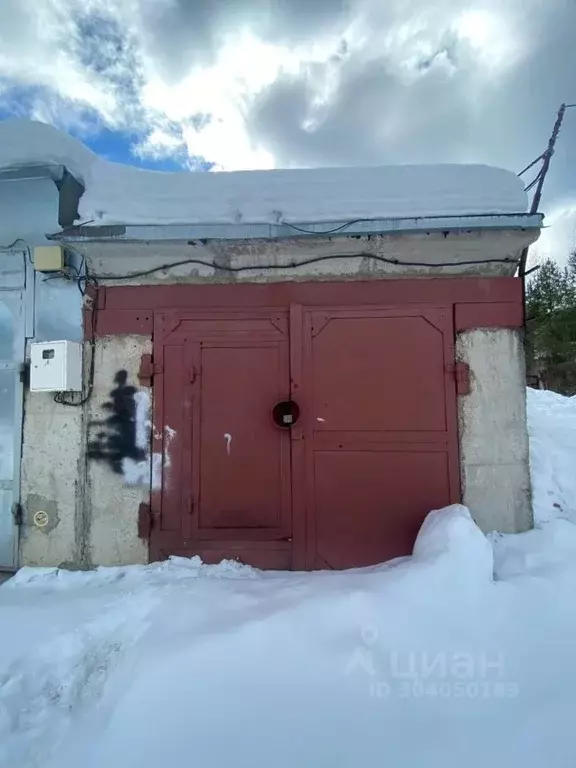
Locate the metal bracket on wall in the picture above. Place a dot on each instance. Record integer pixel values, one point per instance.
(144, 521)
(17, 514)
(147, 370)
(24, 373)
(461, 373)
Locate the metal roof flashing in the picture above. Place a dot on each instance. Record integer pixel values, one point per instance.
(70, 190)
(289, 230)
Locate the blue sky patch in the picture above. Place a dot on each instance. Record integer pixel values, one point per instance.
(115, 145)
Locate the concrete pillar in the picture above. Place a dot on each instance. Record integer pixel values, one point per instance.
(493, 431)
(117, 482)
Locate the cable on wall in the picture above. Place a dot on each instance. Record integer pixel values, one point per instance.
(13, 245)
(296, 264)
(82, 281)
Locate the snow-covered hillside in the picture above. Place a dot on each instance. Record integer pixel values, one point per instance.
(118, 194)
(462, 655)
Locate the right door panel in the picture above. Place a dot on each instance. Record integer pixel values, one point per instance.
(380, 412)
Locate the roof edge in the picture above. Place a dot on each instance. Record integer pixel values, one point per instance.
(285, 230)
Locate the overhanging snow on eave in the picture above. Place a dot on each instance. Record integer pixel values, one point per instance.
(33, 171)
(70, 190)
(200, 232)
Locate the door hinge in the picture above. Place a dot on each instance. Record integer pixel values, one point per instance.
(17, 514)
(144, 521)
(461, 373)
(148, 368)
(24, 374)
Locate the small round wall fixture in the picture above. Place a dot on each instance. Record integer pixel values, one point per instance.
(285, 414)
(41, 519)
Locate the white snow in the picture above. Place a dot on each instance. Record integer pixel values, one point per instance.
(552, 429)
(117, 194)
(461, 655)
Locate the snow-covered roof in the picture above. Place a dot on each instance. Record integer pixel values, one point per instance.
(120, 194)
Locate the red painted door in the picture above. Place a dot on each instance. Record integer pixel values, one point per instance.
(225, 484)
(380, 431)
(349, 484)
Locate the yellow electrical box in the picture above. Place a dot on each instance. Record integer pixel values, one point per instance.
(48, 258)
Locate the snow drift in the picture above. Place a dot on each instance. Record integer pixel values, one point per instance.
(459, 655)
(118, 194)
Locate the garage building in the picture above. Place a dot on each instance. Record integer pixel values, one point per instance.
(289, 368)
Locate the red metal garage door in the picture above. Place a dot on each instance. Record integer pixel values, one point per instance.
(349, 483)
(379, 433)
(221, 484)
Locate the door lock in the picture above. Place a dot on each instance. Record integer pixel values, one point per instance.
(285, 414)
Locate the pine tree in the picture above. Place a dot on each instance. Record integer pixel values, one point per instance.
(551, 323)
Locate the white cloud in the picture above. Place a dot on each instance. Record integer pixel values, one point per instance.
(160, 144)
(558, 238)
(101, 54)
(491, 36)
(259, 83)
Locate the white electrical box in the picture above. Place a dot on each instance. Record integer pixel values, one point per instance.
(56, 366)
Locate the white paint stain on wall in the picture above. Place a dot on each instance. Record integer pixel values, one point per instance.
(156, 471)
(161, 462)
(169, 436)
(138, 472)
(143, 421)
(228, 438)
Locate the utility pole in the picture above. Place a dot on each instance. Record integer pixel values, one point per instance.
(541, 178)
(546, 158)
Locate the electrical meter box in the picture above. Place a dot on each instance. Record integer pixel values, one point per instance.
(56, 366)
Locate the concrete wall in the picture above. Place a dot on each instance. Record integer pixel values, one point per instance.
(77, 469)
(117, 482)
(493, 431)
(51, 440)
(433, 253)
(51, 476)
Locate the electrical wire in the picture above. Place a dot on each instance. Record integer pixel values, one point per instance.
(532, 269)
(12, 245)
(341, 228)
(540, 157)
(297, 264)
(60, 397)
(64, 274)
(348, 224)
(86, 279)
(57, 235)
(534, 181)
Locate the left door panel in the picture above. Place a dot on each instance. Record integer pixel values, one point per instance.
(225, 489)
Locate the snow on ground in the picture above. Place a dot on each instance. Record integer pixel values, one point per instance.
(118, 194)
(552, 429)
(462, 655)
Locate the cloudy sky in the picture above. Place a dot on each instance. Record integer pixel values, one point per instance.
(234, 84)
